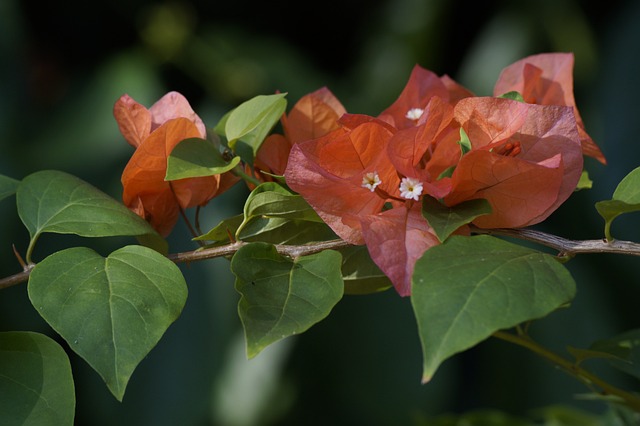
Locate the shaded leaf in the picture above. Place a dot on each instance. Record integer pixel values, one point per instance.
(8, 186)
(196, 157)
(446, 220)
(277, 230)
(54, 201)
(624, 350)
(221, 232)
(282, 297)
(35, 381)
(469, 287)
(111, 311)
(359, 272)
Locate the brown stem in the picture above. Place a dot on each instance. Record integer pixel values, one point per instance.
(564, 246)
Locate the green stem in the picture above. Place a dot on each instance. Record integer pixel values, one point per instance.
(628, 398)
(237, 170)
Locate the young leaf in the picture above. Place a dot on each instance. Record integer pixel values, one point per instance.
(513, 95)
(271, 206)
(35, 381)
(54, 201)
(469, 287)
(584, 182)
(626, 199)
(196, 157)
(8, 186)
(445, 220)
(251, 121)
(111, 311)
(283, 297)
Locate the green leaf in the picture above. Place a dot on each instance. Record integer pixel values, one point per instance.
(197, 157)
(360, 274)
(446, 220)
(8, 186)
(54, 201)
(469, 287)
(222, 231)
(35, 381)
(584, 182)
(111, 311)
(271, 207)
(624, 350)
(277, 230)
(513, 95)
(464, 142)
(282, 297)
(249, 124)
(626, 199)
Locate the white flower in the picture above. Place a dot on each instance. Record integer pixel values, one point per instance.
(371, 180)
(410, 188)
(414, 114)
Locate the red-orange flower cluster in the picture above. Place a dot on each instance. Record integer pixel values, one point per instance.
(154, 132)
(439, 140)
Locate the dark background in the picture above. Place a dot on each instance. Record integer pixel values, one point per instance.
(63, 65)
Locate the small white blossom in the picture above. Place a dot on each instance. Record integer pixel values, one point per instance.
(371, 180)
(414, 114)
(410, 188)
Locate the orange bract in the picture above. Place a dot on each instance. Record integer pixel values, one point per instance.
(313, 116)
(154, 133)
(547, 79)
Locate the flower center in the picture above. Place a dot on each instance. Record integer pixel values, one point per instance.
(414, 114)
(371, 180)
(410, 188)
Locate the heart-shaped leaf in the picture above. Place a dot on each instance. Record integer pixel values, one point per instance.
(35, 381)
(54, 201)
(469, 287)
(280, 296)
(196, 157)
(112, 311)
(8, 186)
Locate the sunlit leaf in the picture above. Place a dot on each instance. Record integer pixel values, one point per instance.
(8, 186)
(196, 157)
(584, 182)
(111, 311)
(282, 297)
(446, 220)
(35, 381)
(247, 125)
(54, 201)
(469, 287)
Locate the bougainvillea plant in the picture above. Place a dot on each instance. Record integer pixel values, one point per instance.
(414, 200)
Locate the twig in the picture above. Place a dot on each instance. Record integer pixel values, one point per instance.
(564, 246)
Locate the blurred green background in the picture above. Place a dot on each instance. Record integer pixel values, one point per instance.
(62, 67)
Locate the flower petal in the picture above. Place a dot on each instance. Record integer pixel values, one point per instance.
(314, 115)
